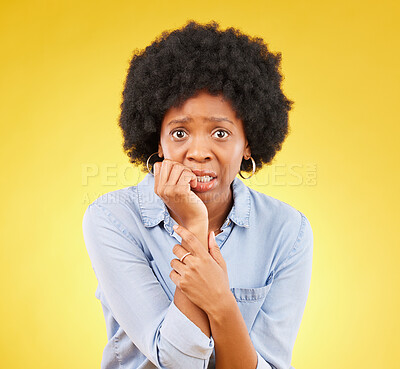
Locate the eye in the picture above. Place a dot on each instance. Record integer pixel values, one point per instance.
(222, 133)
(180, 134)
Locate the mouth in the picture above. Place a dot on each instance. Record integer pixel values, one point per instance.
(206, 180)
(206, 185)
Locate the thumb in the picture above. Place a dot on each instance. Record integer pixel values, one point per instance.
(193, 181)
(215, 251)
(213, 246)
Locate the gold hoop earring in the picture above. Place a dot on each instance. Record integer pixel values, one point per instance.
(254, 168)
(147, 163)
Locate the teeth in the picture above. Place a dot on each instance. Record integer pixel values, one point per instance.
(204, 179)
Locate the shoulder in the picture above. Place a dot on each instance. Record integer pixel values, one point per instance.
(116, 199)
(266, 207)
(280, 221)
(117, 206)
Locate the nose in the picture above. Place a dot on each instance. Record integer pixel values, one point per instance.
(199, 150)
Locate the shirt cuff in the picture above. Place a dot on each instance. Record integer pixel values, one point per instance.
(186, 336)
(261, 363)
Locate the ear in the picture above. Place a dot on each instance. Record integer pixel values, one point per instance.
(160, 151)
(247, 151)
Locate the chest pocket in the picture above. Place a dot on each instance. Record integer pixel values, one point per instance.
(250, 301)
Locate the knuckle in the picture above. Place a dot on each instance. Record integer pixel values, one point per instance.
(182, 168)
(168, 191)
(168, 163)
(190, 238)
(183, 284)
(187, 174)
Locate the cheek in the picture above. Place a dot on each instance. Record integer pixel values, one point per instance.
(231, 165)
(171, 150)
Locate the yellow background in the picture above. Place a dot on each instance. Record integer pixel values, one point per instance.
(62, 70)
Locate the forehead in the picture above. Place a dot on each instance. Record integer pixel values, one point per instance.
(203, 106)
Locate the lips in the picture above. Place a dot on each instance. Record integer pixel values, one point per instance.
(205, 186)
(204, 172)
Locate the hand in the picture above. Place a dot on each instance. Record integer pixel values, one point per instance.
(202, 276)
(173, 182)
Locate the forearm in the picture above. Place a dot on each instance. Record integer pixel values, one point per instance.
(233, 346)
(192, 311)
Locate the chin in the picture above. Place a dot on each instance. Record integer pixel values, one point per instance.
(209, 197)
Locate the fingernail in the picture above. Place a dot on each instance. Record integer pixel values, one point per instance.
(175, 227)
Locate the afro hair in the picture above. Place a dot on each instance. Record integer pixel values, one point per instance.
(179, 64)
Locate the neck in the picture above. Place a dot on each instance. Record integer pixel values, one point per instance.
(218, 211)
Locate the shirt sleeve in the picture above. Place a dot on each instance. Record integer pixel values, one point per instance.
(137, 300)
(276, 326)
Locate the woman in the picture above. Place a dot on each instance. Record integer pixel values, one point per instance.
(226, 288)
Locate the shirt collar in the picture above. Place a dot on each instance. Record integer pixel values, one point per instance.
(153, 210)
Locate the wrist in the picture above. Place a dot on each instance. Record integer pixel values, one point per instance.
(195, 223)
(200, 230)
(222, 309)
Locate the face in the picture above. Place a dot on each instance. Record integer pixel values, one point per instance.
(205, 134)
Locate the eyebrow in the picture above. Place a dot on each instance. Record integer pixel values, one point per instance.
(212, 119)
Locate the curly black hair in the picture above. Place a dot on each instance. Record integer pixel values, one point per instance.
(179, 64)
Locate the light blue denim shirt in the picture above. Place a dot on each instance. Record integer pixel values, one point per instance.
(267, 246)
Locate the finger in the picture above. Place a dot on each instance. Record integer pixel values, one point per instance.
(175, 277)
(192, 242)
(164, 173)
(215, 251)
(180, 251)
(157, 167)
(178, 266)
(210, 240)
(175, 173)
(188, 177)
